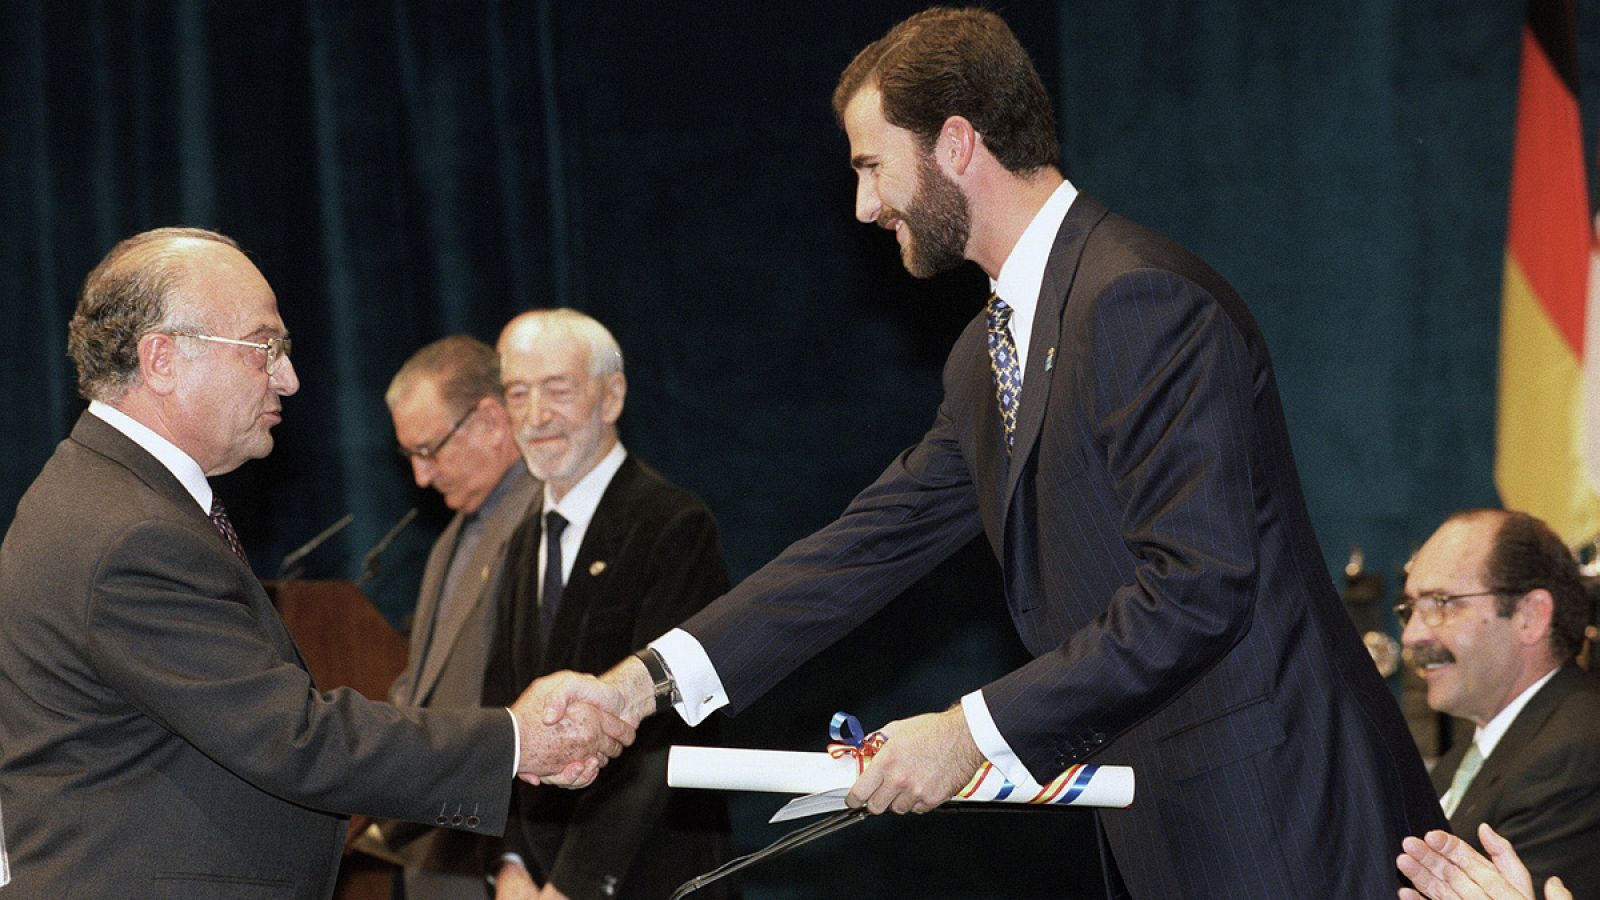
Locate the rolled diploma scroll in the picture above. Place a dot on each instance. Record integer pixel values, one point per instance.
(789, 772)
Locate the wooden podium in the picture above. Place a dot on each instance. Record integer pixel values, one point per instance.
(346, 643)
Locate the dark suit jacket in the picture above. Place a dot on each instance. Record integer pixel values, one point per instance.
(1540, 787)
(649, 559)
(449, 648)
(159, 735)
(1159, 564)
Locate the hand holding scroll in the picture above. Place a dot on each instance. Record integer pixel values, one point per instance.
(923, 763)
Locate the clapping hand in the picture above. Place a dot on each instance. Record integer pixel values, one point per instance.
(1444, 867)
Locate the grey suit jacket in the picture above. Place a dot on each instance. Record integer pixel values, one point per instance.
(445, 669)
(447, 654)
(1160, 566)
(1541, 786)
(159, 735)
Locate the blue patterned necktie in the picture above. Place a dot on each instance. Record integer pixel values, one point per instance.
(1003, 361)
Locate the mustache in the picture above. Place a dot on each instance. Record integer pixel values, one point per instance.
(531, 433)
(1426, 655)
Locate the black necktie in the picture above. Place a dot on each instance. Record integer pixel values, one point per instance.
(219, 518)
(550, 594)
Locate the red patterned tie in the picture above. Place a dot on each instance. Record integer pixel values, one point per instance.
(219, 518)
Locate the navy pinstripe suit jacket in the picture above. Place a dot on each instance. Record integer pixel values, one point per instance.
(1159, 564)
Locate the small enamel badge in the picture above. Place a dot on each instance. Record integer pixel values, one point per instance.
(596, 567)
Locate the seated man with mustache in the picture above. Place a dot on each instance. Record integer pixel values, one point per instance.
(1494, 613)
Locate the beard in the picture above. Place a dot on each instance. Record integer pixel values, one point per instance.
(938, 221)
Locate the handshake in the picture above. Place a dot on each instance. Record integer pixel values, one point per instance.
(571, 724)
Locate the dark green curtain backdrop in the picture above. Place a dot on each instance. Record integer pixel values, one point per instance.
(405, 170)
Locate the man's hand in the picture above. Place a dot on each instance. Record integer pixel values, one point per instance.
(570, 728)
(358, 827)
(925, 760)
(626, 690)
(513, 882)
(1444, 867)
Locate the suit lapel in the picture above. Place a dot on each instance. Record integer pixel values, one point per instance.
(428, 643)
(479, 580)
(1039, 373)
(94, 433)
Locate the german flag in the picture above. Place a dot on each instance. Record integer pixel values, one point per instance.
(1540, 460)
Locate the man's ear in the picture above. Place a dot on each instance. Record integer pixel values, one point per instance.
(614, 389)
(1533, 616)
(956, 145)
(160, 362)
(495, 416)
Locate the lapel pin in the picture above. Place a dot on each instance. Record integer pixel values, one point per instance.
(484, 575)
(596, 567)
(1050, 359)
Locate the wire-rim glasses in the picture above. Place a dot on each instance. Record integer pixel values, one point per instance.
(1435, 608)
(277, 349)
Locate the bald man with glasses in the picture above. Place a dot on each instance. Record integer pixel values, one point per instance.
(1493, 616)
(160, 735)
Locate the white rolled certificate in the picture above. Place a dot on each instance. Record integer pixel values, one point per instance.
(787, 772)
(775, 771)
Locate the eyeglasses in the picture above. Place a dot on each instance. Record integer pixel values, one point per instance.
(429, 453)
(277, 349)
(1434, 608)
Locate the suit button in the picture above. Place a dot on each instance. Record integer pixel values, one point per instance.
(442, 820)
(455, 820)
(472, 821)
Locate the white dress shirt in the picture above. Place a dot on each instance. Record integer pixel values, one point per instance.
(578, 507)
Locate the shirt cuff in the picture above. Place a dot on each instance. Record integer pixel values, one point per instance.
(994, 747)
(699, 689)
(516, 745)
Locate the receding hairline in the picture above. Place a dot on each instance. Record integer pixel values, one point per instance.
(530, 329)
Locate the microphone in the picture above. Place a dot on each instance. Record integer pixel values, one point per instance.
(290, 568)
(369, 563)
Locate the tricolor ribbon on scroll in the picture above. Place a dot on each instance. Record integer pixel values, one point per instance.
(827, 777)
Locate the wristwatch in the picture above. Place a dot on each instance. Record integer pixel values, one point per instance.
(661, 683)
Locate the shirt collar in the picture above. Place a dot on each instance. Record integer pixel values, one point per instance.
(1490, 734)
(1022, 274)
(578, 506)
(180, 464)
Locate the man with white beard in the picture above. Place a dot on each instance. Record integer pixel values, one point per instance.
(613, 556)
